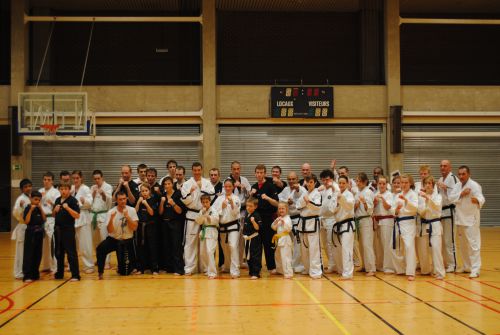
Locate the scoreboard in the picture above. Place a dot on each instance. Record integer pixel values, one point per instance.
(301, 102)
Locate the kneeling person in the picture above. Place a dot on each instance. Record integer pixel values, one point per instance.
(121, 221)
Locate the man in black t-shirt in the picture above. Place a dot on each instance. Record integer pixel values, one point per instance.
(265, 191)
(66, 210)
(127, 185)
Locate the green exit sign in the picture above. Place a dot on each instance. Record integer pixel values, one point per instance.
(17, 167)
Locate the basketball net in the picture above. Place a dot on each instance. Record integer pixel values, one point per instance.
(49, 130)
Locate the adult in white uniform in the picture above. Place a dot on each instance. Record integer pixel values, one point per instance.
(191, 192)
(309, 205)
(290, 194)
(102, 200)
(384, 217)
(363, 210)
(445, 186)
(19, 231)
(228, 207)
(49, 196)
(405, 208)
(329, 191)
(467, 195)
(344, 230)
(430, 230)
(83, 226)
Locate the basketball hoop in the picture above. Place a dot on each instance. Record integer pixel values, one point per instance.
(49, 130)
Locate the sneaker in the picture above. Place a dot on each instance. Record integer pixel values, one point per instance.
(474, 275)
(74, 279)
(254, 277)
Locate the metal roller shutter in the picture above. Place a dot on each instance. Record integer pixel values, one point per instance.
(481, 154)
(358, 147)
(110, 156)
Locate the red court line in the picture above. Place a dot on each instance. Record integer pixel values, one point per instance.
(9, 306)
(484, 283)
(463, 288)
(16, 290)
(472, 300)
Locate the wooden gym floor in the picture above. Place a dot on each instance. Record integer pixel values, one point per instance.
(385, 304)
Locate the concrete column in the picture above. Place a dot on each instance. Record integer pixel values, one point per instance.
(209, 45)
(392, 74)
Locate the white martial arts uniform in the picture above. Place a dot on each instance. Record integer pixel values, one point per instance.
(290, 197)
(309, 233)
(365, 228)
(344, 234)
(19, 232)
(468, 219)
(209, 221)
(405, 227)
(49, 262)
(385, 220)
(447, 221)
(99, 211)
(243, 193)
(327, 216)
(83, 226)
(229, 229)
(191, 229)
(429, 233)
(283, 253)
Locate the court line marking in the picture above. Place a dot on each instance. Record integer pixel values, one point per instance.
(463, 296)
(322, 307)
(24, 309)
(480, 295)
(364, 305)
(432, 306)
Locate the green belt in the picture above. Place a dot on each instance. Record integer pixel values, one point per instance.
(94, 218)
(203, 230)
(48, 215)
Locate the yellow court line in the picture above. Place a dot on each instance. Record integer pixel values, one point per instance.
(323, 308)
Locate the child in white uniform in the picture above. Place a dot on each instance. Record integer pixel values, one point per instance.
(209, 221)
(283, 242)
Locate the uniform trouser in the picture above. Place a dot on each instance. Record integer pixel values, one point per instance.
(422, 247)
(343, 253)
(366, 236)
(435, 249)
(172, 234)
(470, 247)
(311, 253)
(379, 250)
(231, 245)
(191, 236)
(255, 256)
(84, 240)
(33, 242)
(283, 256)
(65, 241)
(102, 231)
(49, 261)
(241, 240)
(408, 232)
(449, 245)
(18, 259)
(327, 243)
(221, 253)
(125, 261)
(208, 246)
(147, 246)
(357, 258)
(389, 255)
(266, 234)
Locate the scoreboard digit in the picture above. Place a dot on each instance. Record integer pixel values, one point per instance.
(301, 102)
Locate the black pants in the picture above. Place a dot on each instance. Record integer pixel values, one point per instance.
(221, 253)
(255, 261)
(125, 254)
(33, 243)
(147, 246)
(172, 233)
(66, 243)
(266, 234)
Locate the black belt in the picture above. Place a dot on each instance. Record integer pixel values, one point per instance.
(304, 219)
(397, 220)
(223, 228)
(451, 207)
(193, 210)
(424, 221)
(293, 217)
(337, 229)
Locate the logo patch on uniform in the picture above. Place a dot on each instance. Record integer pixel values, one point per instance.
(329, 197)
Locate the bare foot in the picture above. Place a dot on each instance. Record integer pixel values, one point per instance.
(370, 274)
(411, 278)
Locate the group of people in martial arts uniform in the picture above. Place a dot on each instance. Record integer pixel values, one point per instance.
(199, 225)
